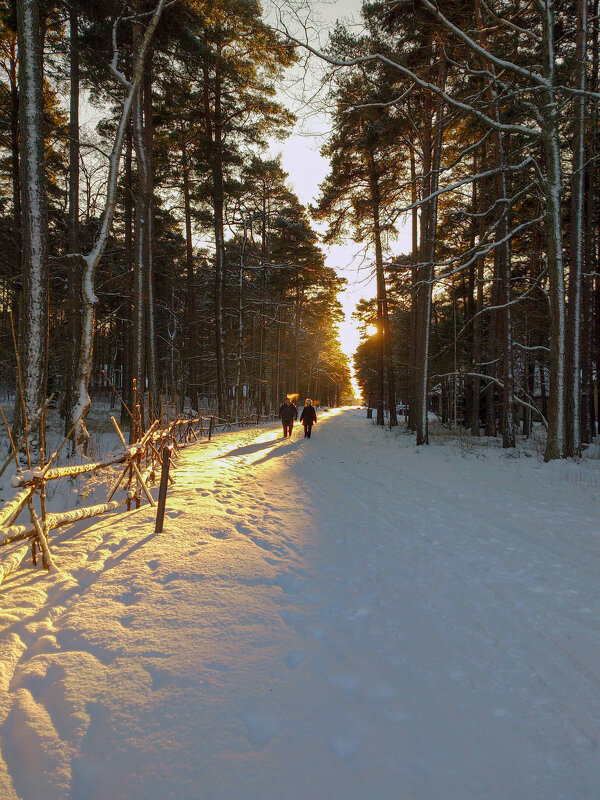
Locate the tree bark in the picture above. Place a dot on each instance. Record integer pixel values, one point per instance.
(190, 299)
(555, 442)
(412, 404)
(214, 142)
(92, 259)
(576, 245)
(127, 324)
(502, 256)
(427, 252)
(15, 176)
(73, 265)
(382, 305)
(141, 229)
(150, 311)
(33, 348)
(588, 426)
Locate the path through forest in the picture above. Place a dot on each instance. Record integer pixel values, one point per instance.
(345, 618)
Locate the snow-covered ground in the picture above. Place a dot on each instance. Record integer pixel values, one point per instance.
(345, 618)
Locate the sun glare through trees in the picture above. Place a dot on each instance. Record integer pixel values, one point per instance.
(166, 247)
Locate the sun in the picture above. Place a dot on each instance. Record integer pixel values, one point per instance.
(371, 330)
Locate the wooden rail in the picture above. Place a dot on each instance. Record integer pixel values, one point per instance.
(139, 464)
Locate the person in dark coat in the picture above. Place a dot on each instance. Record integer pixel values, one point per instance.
(288, 413)
(308, 417)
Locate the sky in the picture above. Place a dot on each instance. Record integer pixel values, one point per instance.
(306, 167)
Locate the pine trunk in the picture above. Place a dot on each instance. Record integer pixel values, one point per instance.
(382, 305)
(190, 299)
(214, 144)
(150, 311)
(73, 246)
(555, 443)
(412, 405)
(576, 244)
(33, 346)
(127, 322)
(15, 176)
(428, 252)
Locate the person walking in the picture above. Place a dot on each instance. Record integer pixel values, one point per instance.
(288, 413)
(308, 417)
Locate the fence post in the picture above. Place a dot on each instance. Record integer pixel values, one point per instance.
(162, 492)
(210, 427)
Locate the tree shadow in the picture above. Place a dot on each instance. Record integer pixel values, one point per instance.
(280, 451)
(249, 448)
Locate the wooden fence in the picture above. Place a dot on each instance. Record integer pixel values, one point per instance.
(139, 464)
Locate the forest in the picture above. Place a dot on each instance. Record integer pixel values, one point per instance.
(156, 252)
(162, 254)
(478, 120)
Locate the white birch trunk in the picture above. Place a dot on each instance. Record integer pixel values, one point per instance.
(92, 259)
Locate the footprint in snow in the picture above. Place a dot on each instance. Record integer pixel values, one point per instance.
(582, 741)
(262, 543)
(216, 666)
(347, 683)
(294, 659)
(290, 583)
(160, 677)
(260, 728)
(71, 640)
(297, 620)
(345, 746)
(172, 577)
(243, 529)
(128, 598)
(381, 692)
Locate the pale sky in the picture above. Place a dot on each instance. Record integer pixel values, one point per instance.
(301, 159)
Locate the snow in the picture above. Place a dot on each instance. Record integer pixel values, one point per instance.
(345, 618)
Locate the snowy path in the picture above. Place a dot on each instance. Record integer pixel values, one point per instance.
(345, 618)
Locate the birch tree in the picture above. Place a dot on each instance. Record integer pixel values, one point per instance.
(91, 259)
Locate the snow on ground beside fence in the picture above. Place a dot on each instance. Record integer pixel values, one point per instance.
(65, 494)
(346, 617)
